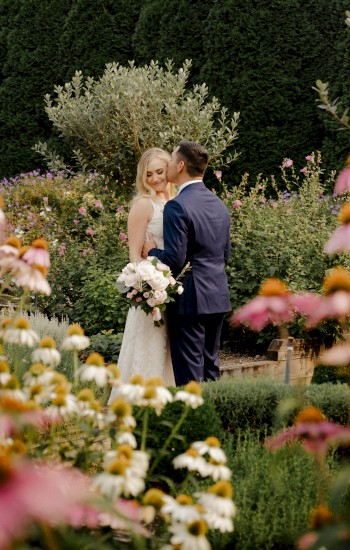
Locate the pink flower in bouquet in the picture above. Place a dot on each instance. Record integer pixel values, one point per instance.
(312, 430)
(342, 183)
(287, 163)
(340, 240)
(272, 306)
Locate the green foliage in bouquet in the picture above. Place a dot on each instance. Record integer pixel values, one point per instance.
(109, 122)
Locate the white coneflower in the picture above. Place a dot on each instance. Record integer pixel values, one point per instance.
(190, 536)
(12, 389)
(218, 471)
(47, 353)
(5, 374)
(87, 403)
(62, 406)
(20, 333)
(4, 325)
(133, 390)
(114, 376)
(39, 393)
(155, 395)
(38, 374)
(181, 509)
(211, 447)
(125, 470)
(219, 509)
(94, 370)
(119, 410)
(32, 278)
(193, 462)
(76, 339)
(37, 254)
(126, 437)
(191, 395)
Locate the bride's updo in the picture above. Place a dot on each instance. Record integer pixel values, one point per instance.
(143, 189)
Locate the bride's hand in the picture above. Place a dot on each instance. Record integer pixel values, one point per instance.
(148, 244)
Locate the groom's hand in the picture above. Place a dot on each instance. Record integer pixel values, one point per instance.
(147, 245)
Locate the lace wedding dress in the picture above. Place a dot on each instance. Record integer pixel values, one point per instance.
(145, 347)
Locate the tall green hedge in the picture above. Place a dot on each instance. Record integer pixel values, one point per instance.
(261, 57)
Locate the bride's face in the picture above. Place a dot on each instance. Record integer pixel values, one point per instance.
(156, 175)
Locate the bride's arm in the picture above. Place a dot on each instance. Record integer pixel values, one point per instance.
(140, 214)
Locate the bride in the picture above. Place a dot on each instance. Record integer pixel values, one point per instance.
(145, 347)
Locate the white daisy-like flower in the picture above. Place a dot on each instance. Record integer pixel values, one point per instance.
(211, 447)
(219, 509)
(62, 406)
(21, 334)
(88, 406)
(119, 410)
(193, 462)
(38, 374)
(190, 536)
(124, 437)
(219, 471)
(125, 470)
(94, 370)
(133, 391)
(38, 392)
(75, 340)
(191, 395)
(32, 278)
(155, 395)
(180, 509)
(5, 374)
(47, 353)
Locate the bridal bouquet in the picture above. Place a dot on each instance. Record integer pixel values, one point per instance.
(149, 284)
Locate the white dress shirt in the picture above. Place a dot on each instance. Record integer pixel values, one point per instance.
(186, 184)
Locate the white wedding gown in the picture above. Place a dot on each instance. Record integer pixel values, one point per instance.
(145, 347)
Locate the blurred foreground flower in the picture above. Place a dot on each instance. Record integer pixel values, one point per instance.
(271, 306)
(312, 430)
(340, 240)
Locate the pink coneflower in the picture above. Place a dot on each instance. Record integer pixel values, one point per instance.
(312, 430)
(340, 240)
(33, 492)
(342, 183)
(272, 306)
(337, 355)
(37, 254)
(335, 303)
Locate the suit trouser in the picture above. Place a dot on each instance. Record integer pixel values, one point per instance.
(194, 345)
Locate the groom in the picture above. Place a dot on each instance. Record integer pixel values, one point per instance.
(196, 230)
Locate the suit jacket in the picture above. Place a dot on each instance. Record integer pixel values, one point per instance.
(197, 230)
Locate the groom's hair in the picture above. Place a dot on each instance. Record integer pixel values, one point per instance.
(194, 156)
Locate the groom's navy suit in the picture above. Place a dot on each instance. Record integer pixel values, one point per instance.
(196, 230)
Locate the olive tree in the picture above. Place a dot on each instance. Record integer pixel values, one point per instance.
(108, 122)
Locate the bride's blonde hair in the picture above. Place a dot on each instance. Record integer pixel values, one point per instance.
(143, 189)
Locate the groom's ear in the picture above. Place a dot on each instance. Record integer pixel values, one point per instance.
(181, 165)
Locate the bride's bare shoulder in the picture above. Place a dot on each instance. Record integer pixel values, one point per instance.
(141, 206)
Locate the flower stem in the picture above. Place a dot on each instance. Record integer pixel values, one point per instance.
(144, 430)
(169, 439)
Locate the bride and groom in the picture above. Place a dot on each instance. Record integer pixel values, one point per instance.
(192, 226)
